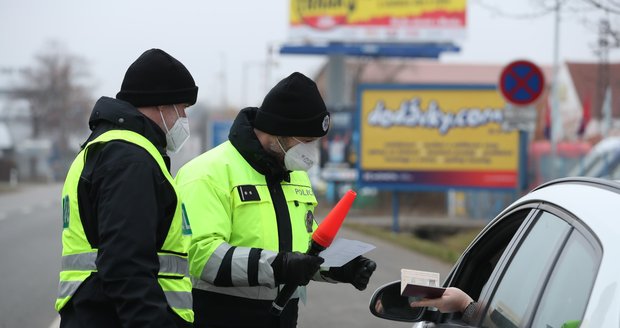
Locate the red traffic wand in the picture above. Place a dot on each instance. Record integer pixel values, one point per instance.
(321, 239)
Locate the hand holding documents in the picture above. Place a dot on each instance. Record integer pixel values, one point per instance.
(420, 284)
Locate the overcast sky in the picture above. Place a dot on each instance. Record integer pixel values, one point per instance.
(221, 42)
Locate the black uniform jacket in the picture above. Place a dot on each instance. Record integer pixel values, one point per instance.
(126, 206)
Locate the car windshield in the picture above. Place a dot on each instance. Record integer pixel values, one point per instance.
(601, 159)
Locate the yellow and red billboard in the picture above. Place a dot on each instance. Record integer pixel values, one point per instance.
(436, 136)
(377, 20)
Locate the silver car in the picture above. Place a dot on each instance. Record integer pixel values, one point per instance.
(551, 259)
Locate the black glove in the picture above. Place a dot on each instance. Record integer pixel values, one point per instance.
(295, 268)
(357, 272)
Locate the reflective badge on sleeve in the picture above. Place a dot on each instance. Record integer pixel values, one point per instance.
(186, 228)
(65, 212)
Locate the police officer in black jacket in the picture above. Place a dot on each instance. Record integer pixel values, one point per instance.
(128, 207)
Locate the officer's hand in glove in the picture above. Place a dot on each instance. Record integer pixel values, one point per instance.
(357, 272)
(295, 268)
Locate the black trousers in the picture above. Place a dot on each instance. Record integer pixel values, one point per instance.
(100, 316)
(213, 310)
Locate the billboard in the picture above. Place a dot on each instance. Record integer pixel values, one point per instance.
(390, 21)
(436, 137)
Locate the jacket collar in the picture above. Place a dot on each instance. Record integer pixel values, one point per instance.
(244, 139)
(109, 114)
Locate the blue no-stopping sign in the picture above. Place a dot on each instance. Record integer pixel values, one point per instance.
(521, 82)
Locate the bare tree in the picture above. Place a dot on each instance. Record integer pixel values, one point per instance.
(56, 88)
(60, 97)
(611, 6)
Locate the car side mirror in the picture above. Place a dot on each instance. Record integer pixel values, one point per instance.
(387, 303)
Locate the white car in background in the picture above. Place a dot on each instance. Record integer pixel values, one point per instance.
(550, 260)
(603, 161)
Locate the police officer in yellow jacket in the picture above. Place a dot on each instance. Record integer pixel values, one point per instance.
(125, 238)
(251, 206)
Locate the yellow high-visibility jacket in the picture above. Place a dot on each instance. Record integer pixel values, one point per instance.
(78, 256)
(240, 222)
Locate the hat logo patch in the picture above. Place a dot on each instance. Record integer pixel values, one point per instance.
(325, 123)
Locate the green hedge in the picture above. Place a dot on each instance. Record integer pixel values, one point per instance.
(447, 249)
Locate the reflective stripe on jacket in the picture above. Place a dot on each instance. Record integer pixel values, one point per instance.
(78, 256)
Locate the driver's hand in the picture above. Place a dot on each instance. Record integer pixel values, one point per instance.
(452, 300)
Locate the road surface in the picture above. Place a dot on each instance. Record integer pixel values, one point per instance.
(30, 227)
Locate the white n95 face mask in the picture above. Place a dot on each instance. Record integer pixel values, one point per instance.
(302, 156)
(178, 134)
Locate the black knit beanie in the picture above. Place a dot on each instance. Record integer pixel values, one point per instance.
(156, 78)
(293, 107)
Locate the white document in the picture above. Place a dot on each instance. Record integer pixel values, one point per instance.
(343, 250)
(420, 284)
(417, 277)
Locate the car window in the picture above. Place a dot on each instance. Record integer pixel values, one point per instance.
(616, 172)
(596, 157)
(568, 289)
(584, 165)
(526, 273)
(603, 165)
(482, 258)
(612, 167)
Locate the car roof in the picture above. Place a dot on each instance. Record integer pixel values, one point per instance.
(594, 201)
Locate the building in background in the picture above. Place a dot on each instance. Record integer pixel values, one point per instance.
(598, 89)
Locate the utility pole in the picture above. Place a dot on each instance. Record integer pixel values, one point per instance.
(608, 39)
(556, 120)
(269, 63)
(266, 67)
(222, 78)
(603, 75)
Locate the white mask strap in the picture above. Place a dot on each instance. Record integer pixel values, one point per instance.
(279, 144)
(162, 116)
(176, 110)
(163, 120)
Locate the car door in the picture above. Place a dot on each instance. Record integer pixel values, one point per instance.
(534, 267)
(545, 278)
(475, 268)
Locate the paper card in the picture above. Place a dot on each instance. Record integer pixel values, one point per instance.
(343, 250)
(420, 284)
